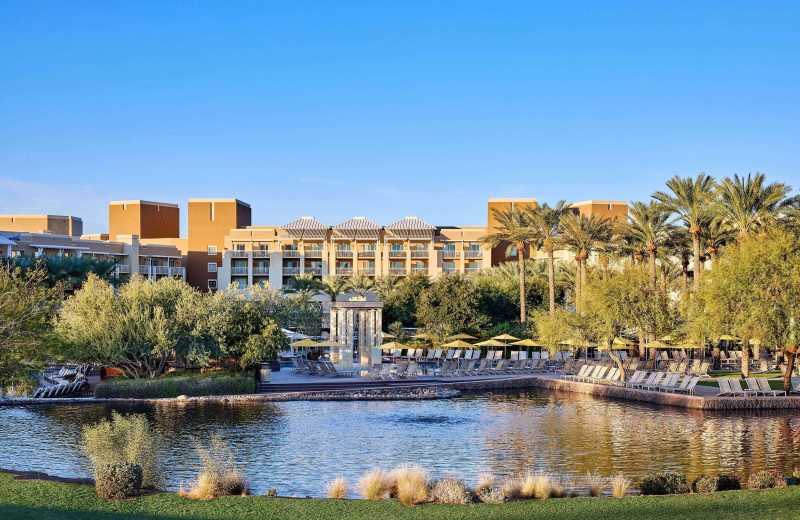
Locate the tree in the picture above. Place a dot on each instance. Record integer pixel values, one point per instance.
(401, 305)
(66, 272)
(26, 308)
(305, 286)
(361, 284)
(554, 328)
(754, 292)
(650, 225)
(452, 302)
(547, 223)
(499, 289)
(333, 286)
(583, 235)
(515, 229)
(691, 199)
(748, 205)
(386, 286)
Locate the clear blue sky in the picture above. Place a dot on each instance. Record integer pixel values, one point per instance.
(387, 109)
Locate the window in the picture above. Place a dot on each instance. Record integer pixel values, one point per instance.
(290, 247)
(212, 267)
(395, 247)
(449, 247)
(369, 247)
(212, 284)
(263, 247)
(367, 264)
(397, 265)
(513, 251)
(420, 247)
(212, 250)
(474, 247)
(238, 247)
(449, 266)
(314, 247)
(609, 207)
(344, 264)
(343, 247)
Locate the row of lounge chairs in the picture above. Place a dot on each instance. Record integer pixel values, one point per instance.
(488, 367)
(642, 379)
(388, 371)
(437, 355)
(318, 368)
(61, 390)
(755, 386)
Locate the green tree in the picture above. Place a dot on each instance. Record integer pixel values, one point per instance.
(305, 286)
(583, 235)
(333, 286)
(401, 305)
(452, 301)
(547, 223)
(386, 286)
(361, 284)
(67, 272)
(650, 226)
(748, 205)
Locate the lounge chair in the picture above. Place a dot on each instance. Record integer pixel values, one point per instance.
(687, 387)
(637, 376)
(656, 381)
(670, 383)
(597, 375)
(682, 366)
(501, 367)
(763, 384)
(467, 368)
(481, 369)
(375, 373)
(581, 372)
(736, 388)
(412, 371)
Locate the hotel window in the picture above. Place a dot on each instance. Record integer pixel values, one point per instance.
(369, 247)
(474, 265)
(315, 264)
(239, 263)
(212, 284)
(447, 266)
(212, 250)
(263, 247)
(420, 247)
(449, 247)
(367, 264)
(474, 247)
(314, 247)
(343, 247)
(290, 247)
(238, 247)
(513, 251)
(397, 265)
(344, 264)
(291, 263)
(418, 265)
(212, 267)
(395, 247)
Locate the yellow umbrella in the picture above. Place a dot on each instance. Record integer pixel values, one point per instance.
(330, 343)
(506, 337)
(392, 345)
(305, 343)
(728, 337)
(461, 336)
(689, 345)
(491, 343)
(528, 343)
(387, 335)
(460, 344)
(657, 344)
(422, 335)
(668, 337)
(619, 342)
(582, 343)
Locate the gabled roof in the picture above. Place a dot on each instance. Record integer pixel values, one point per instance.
(305, 228)
(6, 242)
(411, 227)
(358, 227)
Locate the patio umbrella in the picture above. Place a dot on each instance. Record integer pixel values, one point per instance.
(493, 343)
(620, 342)
(460, 344)
(668, 337)
(422, 335)
(387, 335)
(580, 343)
(305, 343)
(294, 336)
(658, 344)
(392, 345)
(330, 343)
(528, 343)
(461, 336)
(505, 337)
(728, 337)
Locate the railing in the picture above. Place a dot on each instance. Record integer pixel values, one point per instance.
(470, 270)
(238, 270)
(366, 254)
(397, 271)
(291, 270)
(449, 270)
(450, 254)
(344, 253)
(123, 269)
(473, 254)
(314, 270)
(240, 253)
(369, 271)
(313, 253)
(419, 253)
(290, 253)
(344, 270)
(261, 272)
(397, 253)
(261, 253)
(177, 271)
(419, 270)
(144, 269)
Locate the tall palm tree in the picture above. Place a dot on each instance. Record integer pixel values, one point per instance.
(304, 285)
(691, 199)
(748, 205)
(715, 235)
(385, 286)
(333, 286)
(514, 229)
(547, 223)
(583, 235)
(683, 251)
(650, 225)
(361, 284)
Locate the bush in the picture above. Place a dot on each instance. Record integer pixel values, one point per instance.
(219, 475)
(767, 479)
(374, 485)
(620, 485)
(175, 386)
(491, 496)
(595, 483)
(125, 438)
(729, 481)
(337, 489)
(537, 485)
(485, 481)
(450, 491)
(796, 476)
(117, 480)
(703, 484)
(409, 484)
(664, 483)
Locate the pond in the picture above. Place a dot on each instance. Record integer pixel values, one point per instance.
(297, 447)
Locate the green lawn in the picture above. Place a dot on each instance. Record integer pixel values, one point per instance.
(51, 501)
(775, 384)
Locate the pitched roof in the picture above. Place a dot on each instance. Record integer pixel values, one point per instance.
(357, 227)
(411, 227)
(305, 227)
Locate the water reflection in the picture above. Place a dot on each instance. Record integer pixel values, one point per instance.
(298, 446)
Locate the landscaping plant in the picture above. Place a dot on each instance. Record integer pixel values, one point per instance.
(337, 489)
(664, 483)
(219, 475)
(729, 481)
(766, 479)
(117, 480)
(703, 484)
(450, 491)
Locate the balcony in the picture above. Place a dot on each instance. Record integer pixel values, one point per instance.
(291, 253)
(397, 271)
(177, 271)
(313, 253)
(369, 271)
(470, 270)
(451, 254)
(261, 253)
(144, 269)
(344, 253)
(473, 254)
(366, 254)
(261, 272)
(344, 270)
(449, 270)
(314, 270)
(123, 269)
(397, 253)
(238, 270)
(291, 271)
(239, 253)
(415, 270)
(419, 253)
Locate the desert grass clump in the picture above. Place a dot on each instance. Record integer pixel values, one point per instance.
(337, 488)
(491, 496)
(485, 481)
(536, 485)
(620, 485)
(595, 483)
(557, 488)
(409, 484)
(374, 485)
(571, 487)
(511, 488)
(219, 475)
(450, 491)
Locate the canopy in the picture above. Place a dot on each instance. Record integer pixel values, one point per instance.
(491, 343)
(330, 343)
(459, 344)
(461, 336)
(294, 336)
(668, 337)
(422, 335)
(728, 337)
(392, 346)
(688, 345)
(387, 335)
(619, 342)
(305, 343)
(658, 344)
(528, 343)
(506, 337)
(582, 343)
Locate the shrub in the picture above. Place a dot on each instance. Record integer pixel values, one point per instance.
(535, 485)
(125, 438)
(450, 491)
(117, 480)
(485, 481)
(337, 488)
(571, 485)
(557, 488)
(271, 492)
(767, 479)
(511, 488)
(729, 481)
(703, 484)
(620, 485)
(409, 484)
(219, 475)
(664, 483)
(175, 386)
(796, 476)
(595, 483)
(491, 496)
(374, 485)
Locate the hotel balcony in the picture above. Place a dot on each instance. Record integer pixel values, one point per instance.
(261, 253)
(366, 254)
(291, 271)
(470, 270)
(397, 271)
(419, 253)
(344, 270)
(314, 270)
(449, 270)
(261, 272)
(177, 271)
(344, 253)
(144, 269)
(369, 271)
(313, 253)
(123, 269)
(397, 253)
(415, 270)
(240, 254)
(473, 254)
(238, 270)
(290, 253)
(451, 254)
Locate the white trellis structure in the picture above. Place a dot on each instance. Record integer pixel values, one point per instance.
(357, 325)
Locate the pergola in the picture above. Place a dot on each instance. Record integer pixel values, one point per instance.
(305, 228)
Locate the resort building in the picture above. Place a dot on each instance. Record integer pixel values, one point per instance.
(55, 224)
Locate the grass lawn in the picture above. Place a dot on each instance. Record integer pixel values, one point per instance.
(51, 501)
(775, 384)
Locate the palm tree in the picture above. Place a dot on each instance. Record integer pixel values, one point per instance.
(715, 235)
(683, 251)
(333, 286)
(691, 199)
(584, 235)
(514, 229)
(361, 284)
(650, 225)
(547, 222)
(748, 205)
(385, 286)
(304, 285)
